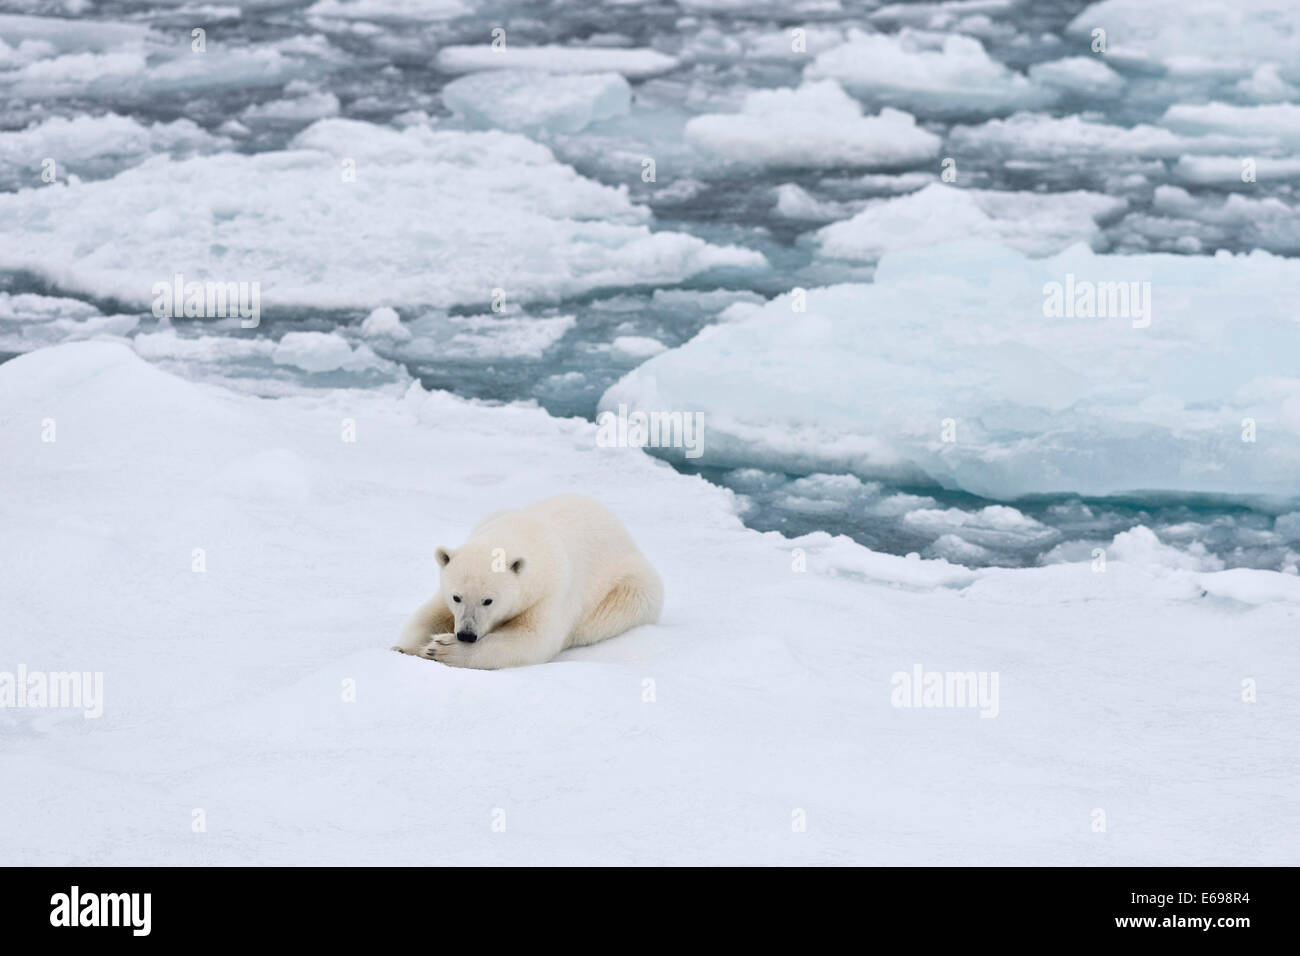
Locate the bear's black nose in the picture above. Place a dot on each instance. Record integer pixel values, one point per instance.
(469, 637)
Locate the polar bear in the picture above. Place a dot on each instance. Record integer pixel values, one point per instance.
(562, 572)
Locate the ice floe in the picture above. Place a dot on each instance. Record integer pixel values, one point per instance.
(427, 217)
(815, 126)
(954, 367)
(631, 63)
(389, 10)
(928, 74)
(1036, 223)
(1073, 137)
(530, 101)
(92, 147)
(1275, 124)
(51, 58)
(1195, 37)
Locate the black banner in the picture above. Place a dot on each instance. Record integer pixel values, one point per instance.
(170, 905)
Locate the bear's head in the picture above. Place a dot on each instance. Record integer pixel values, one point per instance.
(483, 587)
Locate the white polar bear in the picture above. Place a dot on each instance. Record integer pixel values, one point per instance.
(559, 573)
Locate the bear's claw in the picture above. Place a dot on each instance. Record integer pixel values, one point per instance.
(435, 650)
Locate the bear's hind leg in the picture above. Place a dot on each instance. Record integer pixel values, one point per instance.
(636, 598)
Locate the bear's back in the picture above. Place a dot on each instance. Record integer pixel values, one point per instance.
(582, 545)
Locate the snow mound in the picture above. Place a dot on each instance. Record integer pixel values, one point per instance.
(436, 218)
(249, 566)
(815, 126)
(955, 367)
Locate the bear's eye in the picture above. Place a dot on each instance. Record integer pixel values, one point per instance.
(456, 598)
(487, 601)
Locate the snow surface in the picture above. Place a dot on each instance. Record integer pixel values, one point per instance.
(226, 691)
(865, 378)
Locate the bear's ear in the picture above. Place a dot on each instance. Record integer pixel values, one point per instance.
(443, 556)
(517, 565)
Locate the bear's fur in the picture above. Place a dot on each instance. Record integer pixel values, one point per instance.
(559, 573)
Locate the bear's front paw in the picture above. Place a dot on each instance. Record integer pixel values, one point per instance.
(446, 649)
(437, 643)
